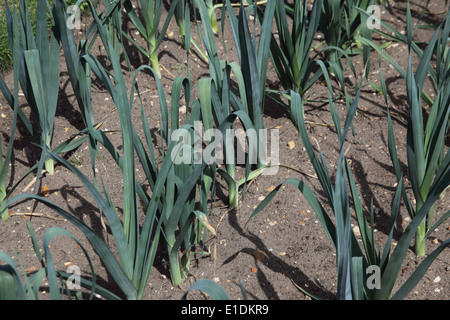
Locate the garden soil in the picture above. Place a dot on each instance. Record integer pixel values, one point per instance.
(284, 248)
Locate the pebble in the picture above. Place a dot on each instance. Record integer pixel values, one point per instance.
(437, 279)
(356, 231)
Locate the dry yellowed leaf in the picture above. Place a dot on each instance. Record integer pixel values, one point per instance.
(45, 191)
(259, 255)
(29, 270)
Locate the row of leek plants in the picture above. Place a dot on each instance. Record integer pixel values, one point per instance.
(220, 103)
(425, 150)
(34, 72)
(38, 76)
(170, 211)
(425, 142)
(352, 259)
(429, 173)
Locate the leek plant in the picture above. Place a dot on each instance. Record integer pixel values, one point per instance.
(212, 15)
(218, 111)
(253, 62)
(12, 287)
(426, 141)
(79, 72)
(291, 55)
(148, 28)
(352, 260)
(170, 207)
(184, 223)
(215, 110)
(28, 73)
(342, 23)
(182, 17)
(210, 12)
(136, 245)
(213, 290)
(296, 67)
(5, 159)
(397, 36)
(38, 73)
(12, 99)
(220, 104)
(136, 252)
(175, 205)
(113, 17)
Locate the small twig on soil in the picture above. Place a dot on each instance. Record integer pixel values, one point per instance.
(221, 218)
(33, 181)
(35, 214)
(141, 93)
(318, 124)
(173, 76)
(299, 171)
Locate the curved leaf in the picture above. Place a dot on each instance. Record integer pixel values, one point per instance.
(215, 291)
